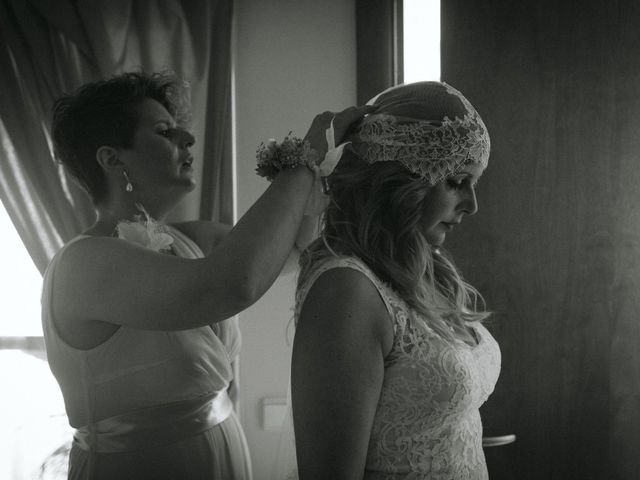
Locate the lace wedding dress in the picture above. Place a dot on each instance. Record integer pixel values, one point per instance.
(427, 424)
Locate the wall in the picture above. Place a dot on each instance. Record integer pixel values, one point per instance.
(293, 59)
(555, 247)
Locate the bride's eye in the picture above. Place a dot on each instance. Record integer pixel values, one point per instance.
(455, 183)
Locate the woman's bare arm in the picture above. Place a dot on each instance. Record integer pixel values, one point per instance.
(342, 337)
(308, 232)
(113, 281)
(206, 234)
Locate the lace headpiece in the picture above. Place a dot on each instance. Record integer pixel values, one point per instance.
(429, 127)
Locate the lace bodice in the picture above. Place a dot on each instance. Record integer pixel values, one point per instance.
(427, 424)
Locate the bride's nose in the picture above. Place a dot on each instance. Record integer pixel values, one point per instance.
(469, 204)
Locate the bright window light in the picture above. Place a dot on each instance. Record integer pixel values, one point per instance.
(421, 41)
(20, 285)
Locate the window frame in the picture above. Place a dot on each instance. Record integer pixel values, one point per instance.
(379, 46)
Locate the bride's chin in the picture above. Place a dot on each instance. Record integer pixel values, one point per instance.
(436, 241)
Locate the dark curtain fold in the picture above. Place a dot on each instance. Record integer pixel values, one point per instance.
(53, 47)
(46, 208)
(379, 42)
(555, 247)
(216, 200)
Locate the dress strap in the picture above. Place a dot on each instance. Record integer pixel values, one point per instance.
(183, 246)
(154, 426)
(353, 263)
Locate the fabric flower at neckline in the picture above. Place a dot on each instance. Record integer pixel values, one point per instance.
(145, 231)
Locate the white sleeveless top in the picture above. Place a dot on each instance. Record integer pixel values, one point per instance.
(427, 424)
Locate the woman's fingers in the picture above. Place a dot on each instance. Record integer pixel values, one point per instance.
(347, 117)
(342, 121)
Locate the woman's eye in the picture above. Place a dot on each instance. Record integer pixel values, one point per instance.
(167, 132)
(460, 183)
(456, 183)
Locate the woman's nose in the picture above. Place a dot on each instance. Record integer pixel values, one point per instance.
(469, 204)
(185, 139)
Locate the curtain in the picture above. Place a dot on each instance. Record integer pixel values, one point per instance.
(45, 208)
(217, 194)
(555, 246)
(53, 47)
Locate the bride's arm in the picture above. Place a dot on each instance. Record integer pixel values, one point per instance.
(342, 337)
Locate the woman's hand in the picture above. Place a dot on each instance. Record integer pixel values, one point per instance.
(342, 122)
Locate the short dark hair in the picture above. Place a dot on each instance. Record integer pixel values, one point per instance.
(103, 113)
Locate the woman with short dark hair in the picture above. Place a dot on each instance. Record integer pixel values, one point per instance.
(136, 313)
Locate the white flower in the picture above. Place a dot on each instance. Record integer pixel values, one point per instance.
(145, 231)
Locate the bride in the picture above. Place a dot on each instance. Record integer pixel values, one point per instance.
(390, 359)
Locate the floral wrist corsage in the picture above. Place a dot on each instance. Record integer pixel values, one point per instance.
(145, 231)
(273, 157)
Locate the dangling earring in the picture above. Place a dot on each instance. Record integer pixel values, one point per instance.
(128, 187)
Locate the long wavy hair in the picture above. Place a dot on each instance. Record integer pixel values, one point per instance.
(374, 214)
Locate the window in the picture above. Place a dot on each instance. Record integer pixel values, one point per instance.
(421, 40)
(35, 431)
(397, 41)
(20, 285)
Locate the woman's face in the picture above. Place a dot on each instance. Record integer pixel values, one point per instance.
(159, 160)
(448, 201)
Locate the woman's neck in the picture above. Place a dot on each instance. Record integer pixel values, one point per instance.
(109, 215)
